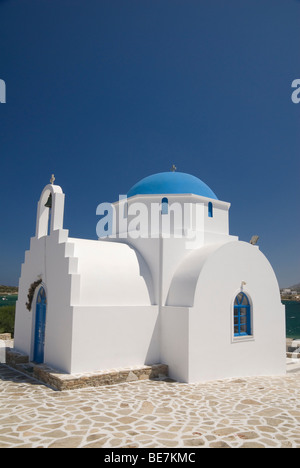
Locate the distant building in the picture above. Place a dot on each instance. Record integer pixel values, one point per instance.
(289, 292)
(183, 293)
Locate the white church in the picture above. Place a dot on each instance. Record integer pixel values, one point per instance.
(164, 283)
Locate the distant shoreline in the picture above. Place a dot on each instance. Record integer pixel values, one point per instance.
(292, 299)
(8, 290)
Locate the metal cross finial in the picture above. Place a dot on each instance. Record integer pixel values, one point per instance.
(173, 168)
(52, 179)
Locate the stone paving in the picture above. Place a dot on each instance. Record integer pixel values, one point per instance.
(262, 412)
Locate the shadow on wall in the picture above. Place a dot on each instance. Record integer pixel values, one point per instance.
(146, 274)
(153, 353)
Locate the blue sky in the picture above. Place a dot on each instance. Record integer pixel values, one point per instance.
(105, 92)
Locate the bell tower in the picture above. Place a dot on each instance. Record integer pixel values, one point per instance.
(50, 210)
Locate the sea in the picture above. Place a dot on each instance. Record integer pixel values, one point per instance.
(8, 300)
(292, 314)
(292, 318)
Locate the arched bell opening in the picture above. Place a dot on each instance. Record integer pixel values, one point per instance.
(50, 211)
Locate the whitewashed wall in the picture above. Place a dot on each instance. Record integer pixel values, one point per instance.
(215, 279)
(114, 336)
(46, 260)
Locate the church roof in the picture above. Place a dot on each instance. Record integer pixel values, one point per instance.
(171, 183)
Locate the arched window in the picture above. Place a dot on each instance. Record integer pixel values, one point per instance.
(164, 206)
(242, 315)
(210, 210)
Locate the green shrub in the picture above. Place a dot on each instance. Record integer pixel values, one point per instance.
(7, 319)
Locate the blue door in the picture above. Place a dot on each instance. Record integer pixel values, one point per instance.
(40, 327)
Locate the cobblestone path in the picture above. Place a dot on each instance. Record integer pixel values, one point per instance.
(249, 412)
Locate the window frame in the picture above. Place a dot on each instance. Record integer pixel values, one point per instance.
(248, 335)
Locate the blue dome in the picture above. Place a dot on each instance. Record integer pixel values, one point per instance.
(171, 183)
